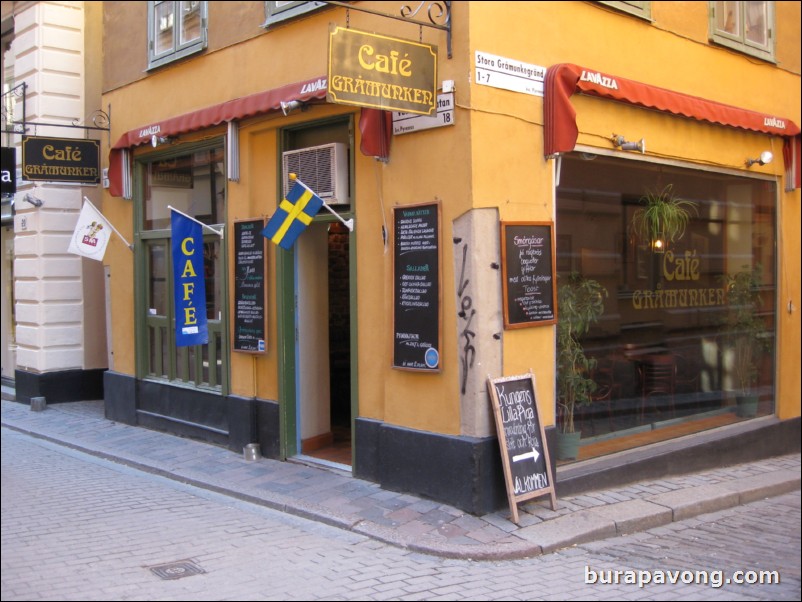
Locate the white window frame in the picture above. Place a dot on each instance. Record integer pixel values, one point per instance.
(178, 50)
(738, 40)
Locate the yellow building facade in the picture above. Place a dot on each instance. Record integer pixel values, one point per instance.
(558, 118)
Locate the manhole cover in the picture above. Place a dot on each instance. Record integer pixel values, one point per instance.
(176, 570)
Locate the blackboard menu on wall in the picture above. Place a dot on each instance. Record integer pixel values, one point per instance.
(416, 287)
(250, 292)
(527, 468)
(527, 268)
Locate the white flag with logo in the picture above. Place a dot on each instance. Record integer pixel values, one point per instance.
(91, 235)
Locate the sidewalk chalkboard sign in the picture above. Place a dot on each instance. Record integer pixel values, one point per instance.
(250, 293)
(527, 268)
(416, 287)
(527, 467)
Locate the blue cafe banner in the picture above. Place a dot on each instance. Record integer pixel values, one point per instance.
(189, 288)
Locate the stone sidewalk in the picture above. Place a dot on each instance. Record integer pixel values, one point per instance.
(336, 498)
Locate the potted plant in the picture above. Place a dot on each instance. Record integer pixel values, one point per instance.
(747, 334)
(580, 303)
(662, 218)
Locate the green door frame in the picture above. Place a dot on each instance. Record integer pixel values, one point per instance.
(286, 310)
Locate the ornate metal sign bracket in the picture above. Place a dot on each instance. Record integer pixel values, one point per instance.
(101, 120)
(438, 13)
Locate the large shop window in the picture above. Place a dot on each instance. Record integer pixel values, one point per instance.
(175, 30)
(688, 328)
(194, 184)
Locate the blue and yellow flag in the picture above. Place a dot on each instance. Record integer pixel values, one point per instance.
(293, 215)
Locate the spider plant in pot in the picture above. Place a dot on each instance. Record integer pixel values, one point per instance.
(747, 334)
(580, 303)
(662, 218)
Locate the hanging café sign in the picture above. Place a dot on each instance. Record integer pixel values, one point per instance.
(60, 159)
(380, 72)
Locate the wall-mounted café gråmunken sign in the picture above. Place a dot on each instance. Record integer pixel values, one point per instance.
(60, 159)
(380, 72)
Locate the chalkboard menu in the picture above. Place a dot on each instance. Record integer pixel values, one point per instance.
(250, 292)
(527, 468)
(416, 287)
(527, 267)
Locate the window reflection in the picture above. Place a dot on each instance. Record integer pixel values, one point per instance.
(157, 270)
(194, 184)
(190, 21)
(756, 19)
(728, 17)
(663, 349)
(163, 23)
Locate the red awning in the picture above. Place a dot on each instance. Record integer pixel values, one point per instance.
(375, 125)
(563, 80)
(232, 110)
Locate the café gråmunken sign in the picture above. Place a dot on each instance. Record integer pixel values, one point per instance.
(380, 72)
(60, 159)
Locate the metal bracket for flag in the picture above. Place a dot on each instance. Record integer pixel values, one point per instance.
(349, 223)
(218, 232)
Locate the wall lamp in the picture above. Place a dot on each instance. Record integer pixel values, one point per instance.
(292, 106)
(621, 142)
(765, 158)
(33, 200)
(159, 140)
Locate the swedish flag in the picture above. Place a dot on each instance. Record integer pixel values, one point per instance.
(293, 215)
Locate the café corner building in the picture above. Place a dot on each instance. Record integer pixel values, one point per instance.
(490, 207)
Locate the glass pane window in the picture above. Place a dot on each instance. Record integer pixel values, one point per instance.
(744, 26)
(757, 23)
(728, 18)
(176, 30)
(158, 295)
(282, 10)
(639, 9)
(195, 184)
(163, 25)
(688, 325)
(190, 21)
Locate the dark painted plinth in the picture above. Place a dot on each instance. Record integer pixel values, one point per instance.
(231, 421)
(745, 442)
(465, 472)
(58, 387)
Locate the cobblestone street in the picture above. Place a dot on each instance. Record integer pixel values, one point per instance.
(76, 527)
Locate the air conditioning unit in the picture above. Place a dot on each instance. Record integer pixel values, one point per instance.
(324, 169)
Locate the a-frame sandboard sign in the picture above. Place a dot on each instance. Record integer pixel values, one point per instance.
(527, 466)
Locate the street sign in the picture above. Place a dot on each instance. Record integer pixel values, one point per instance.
(509, 74)
(406, 123)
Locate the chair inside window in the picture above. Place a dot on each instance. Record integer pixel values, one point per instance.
(602, 397)
(658, 380)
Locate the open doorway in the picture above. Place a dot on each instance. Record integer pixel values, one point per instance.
(323, 354)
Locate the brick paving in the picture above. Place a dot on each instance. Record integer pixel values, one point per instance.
(413, 523)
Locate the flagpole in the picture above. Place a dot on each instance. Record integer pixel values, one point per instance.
(219, 233)
(116, 231)
(348, 223)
